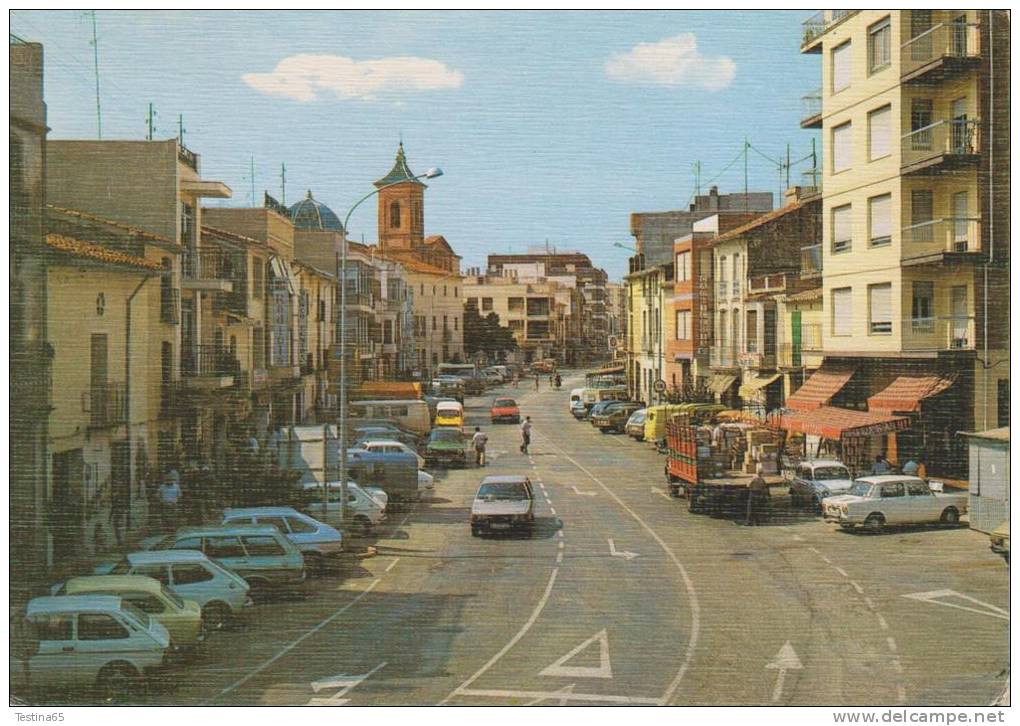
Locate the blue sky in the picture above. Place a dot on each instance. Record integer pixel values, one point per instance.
(549, 125)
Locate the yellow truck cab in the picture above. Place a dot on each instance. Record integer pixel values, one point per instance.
(656, 419)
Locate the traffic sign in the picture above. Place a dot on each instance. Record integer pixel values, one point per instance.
(659, 386)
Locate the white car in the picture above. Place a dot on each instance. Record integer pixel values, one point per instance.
(84, 641)
(222, 594)
(364, 510)
(876, 501)
(319, 543)
(388, 446)
(426, 483)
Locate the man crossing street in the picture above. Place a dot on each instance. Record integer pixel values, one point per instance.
(478, 441)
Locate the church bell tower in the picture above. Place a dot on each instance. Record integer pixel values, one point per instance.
(401, 207)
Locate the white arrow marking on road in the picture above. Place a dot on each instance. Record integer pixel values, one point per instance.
(603, 670)
(613, 551)
(565, 691)
(786, 659)
(584, 494)
(933, 596)
(661, 493)
(344, 682)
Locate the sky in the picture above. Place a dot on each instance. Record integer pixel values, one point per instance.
(550, 126)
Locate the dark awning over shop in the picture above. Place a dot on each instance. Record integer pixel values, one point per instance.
(835, 423)
(819, 389)
(906, 393)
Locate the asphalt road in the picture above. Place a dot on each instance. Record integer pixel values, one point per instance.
(620, 596)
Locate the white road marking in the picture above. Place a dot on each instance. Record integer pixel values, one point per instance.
(621, 553)
(897, 665)
(512, 642)
(552, 511)
(286, 649)
(604, 669)
(563, 699)
(841, 571)
(344, 682)
(901, 693)
(798, 538)
(560, 695)
(786, 659)
(688, 583)
(559, 533)
(825, 559)
(882, 623)
(891, 642)
(661, 493)
(815, 550)
(559, 558)
(934, 596)
(561, 545)
(584, 494)
(870, 603)
(858, 588)
(390, 566)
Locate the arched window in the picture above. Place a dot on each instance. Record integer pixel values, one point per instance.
(395, 214)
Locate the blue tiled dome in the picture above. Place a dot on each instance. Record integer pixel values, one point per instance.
(312, 214)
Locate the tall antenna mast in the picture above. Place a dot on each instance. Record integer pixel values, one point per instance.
(251, 176)
(150, 123)
(95, 62)
(283, 184)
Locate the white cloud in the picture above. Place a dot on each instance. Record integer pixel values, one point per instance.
(672, 62)
(302, 77)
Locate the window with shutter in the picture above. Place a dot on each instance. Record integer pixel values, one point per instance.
(842, 229)
(842, 313)
(880, 308)
(879, 46)
(880, 220)
(879, 133)
(842, 153)
(841, 67)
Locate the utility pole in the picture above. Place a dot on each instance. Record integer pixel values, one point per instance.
(787, 165)
(95, 63)
(814, 165)
(283, 184)
(150, 123)
(745, 174)
(251, 177)
(697, 177)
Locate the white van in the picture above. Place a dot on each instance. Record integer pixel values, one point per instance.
(409, 415)
(575, 395)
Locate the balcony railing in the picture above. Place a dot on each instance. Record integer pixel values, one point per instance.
(723, 357)
(767, 283)
(948, 333)
(187, 157)
(945, 40)
(811, 260)
(170, 306)
(820, 22)
(735, 289)
(209, 263)
(106, 404)
(934, 142)
(208, 360)
(952, 234)
(811, 109)
(754, 359)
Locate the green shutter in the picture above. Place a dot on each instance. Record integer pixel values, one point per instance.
(795, 338)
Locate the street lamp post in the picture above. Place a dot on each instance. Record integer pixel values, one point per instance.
(430, 174)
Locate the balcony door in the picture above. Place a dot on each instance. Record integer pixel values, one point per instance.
(98, 374)
(960, 316)
(959, 37)
(921, 211)
(960, 136)
(920, 23)
(921, 119)
(961, 222)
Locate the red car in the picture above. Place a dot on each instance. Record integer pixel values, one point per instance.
(505, 409)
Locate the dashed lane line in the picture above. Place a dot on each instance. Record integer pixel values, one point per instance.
(390, 566)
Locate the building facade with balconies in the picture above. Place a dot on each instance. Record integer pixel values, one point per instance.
(141, 199)
(915, 129)
(650, 295)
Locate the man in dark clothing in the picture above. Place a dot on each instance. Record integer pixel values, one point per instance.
(757, 499)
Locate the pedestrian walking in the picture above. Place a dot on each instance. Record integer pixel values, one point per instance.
(479, 440)
(525, 434)
(910, 468)
(536, 381)
(922, 470)
(757, 499)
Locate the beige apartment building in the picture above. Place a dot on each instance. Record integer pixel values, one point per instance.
(915, 246)
(534, 309)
